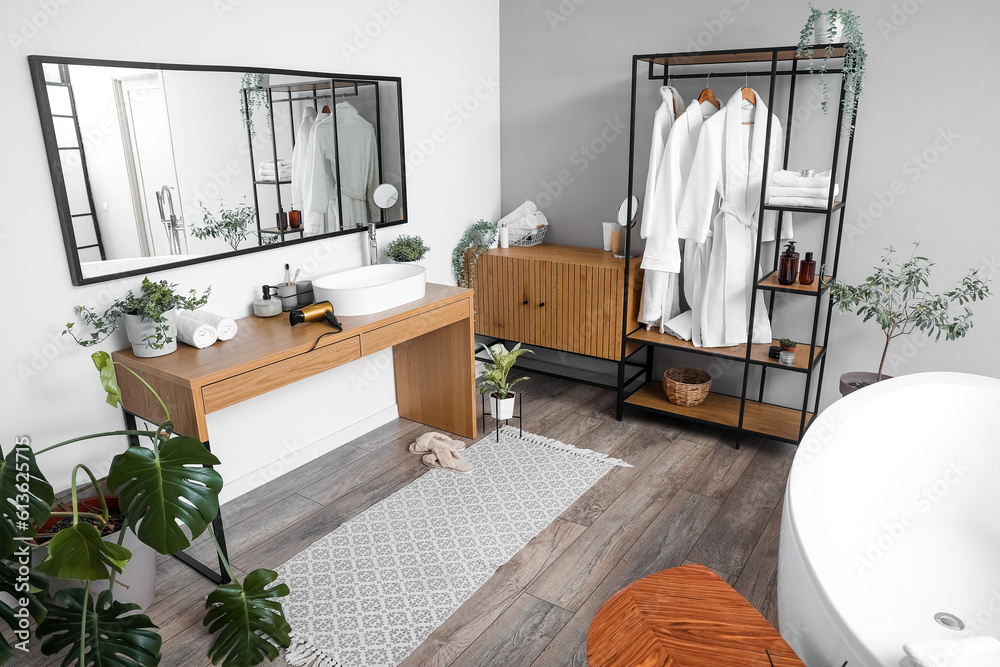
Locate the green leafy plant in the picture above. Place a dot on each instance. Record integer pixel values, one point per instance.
(256, 98)
(233, 225)
(159, 488)
(855, 56)
(477, 240)
(493, 378)
(406, 249)
(152, 302)
(895, 296)
(787, 343)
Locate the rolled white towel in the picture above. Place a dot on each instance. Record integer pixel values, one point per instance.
(527, 225)
(802, 202)
(680, 326)
(225, 326)
(961, 652)
(282, 164)
(790, 191)
(195, 333)
(525, 209)
(792, 179)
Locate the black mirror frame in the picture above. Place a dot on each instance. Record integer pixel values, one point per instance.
(35, 63)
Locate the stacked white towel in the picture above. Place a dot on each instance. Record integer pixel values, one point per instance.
(225, 326)
(788, 188)
(525, 209)
(195, 333)
(794, 179)
(271, 171)
(962, 652)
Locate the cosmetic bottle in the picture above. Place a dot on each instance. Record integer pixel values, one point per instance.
(504, 236)
(268, 306)
(788, 269)
(807, 273)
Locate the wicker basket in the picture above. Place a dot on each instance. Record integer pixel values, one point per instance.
(686, 386)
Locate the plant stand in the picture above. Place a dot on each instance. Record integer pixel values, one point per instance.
(220, 577)
(518, 416)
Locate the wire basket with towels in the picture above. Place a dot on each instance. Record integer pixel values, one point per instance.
(532, 238)
(525, 225)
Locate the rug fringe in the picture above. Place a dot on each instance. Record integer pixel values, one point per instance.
(302, 653)
(555, 444)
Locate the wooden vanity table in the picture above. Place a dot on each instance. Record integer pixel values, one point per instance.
(433, 354)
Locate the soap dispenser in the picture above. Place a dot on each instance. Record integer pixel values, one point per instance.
(789, 268)
(807, 273)
(268, 306)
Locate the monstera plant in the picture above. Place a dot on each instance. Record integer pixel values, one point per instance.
(160, 488)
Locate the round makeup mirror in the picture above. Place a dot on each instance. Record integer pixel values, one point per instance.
(623, 218)
(385, 196)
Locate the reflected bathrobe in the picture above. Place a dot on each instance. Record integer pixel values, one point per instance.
(302, 166)
(722, 201)
(661, 260)
(656, 288)
(358, 168)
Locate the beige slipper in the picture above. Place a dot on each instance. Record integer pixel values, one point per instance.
(426, 443)
(446, 459)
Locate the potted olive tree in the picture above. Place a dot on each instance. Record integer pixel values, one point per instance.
(233, 225)
(895, 296)
(167, 497)
(150, 318)
(494, 381)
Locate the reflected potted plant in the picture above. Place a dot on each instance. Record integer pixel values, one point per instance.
(255, 86)
(168, 496)
(150, 318)
(233, 225)
(405, 248)
(494, 381)
(895, 296)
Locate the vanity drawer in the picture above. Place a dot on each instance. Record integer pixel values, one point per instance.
(412, 327)
(261, 380)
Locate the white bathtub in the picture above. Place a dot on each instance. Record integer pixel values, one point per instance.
(111, 266)
(891, 516)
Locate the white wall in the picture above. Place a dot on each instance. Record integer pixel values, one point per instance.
(565, 66)
(446, 53)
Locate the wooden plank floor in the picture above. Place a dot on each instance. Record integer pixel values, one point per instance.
(690, 497)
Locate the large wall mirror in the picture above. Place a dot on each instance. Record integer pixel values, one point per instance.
(159, 165)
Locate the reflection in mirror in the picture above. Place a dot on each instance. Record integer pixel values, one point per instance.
(173, 165)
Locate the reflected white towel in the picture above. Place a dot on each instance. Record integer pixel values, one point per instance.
(270, 175)
(282, 164)
(225, 326)
(962, 652)
(525, 209)
(789, 191)
(792, 179)
(805, 202)
(680, 326)
(195, 333)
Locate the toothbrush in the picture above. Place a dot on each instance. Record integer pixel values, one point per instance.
(296, 276)
(286, 275)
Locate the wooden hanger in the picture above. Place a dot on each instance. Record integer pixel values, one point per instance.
(708, 95)
(749, 96)
(326, 109)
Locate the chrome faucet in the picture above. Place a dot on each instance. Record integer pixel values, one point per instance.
(372, 246)
(171, 223)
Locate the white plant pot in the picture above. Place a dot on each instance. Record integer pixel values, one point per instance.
(821, 27)
(502, 408)
(137, 330)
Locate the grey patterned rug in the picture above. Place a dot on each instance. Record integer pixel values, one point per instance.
(371, 591)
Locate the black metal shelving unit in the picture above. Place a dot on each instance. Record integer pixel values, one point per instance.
(739, 413)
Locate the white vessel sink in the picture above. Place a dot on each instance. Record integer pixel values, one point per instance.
(371, 289)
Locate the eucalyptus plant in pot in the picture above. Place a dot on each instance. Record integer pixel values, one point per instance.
(150, 318)
(476, 240)
(494, 381)
(895, 296)
(168, 498)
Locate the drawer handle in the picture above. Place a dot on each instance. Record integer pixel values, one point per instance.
(525, 303)
(541, 305)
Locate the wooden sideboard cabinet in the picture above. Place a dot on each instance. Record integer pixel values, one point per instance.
(560, 297)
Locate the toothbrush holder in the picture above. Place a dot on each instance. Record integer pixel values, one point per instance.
(304, 290)
(289, 297)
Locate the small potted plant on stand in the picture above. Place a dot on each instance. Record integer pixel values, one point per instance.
(787, 354)
(405, 248)
(493, 379)
(150, 318)
(896, 298)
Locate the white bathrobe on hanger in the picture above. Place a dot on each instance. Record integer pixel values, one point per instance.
(301, 169)
(358, 166)
(722, 200)
(661, 261)
(652, 311)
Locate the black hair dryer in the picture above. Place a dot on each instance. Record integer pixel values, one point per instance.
(316, 312)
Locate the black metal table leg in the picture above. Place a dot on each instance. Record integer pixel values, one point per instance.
(220, 577)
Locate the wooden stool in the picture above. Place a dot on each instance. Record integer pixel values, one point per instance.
(683, 617)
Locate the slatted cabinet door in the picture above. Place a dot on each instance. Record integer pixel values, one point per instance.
(559, 297)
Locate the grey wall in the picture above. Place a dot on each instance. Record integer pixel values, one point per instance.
(927, 129)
